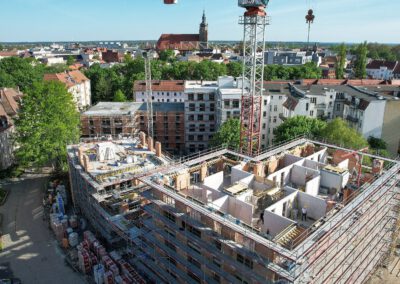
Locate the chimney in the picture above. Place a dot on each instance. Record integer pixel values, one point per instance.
(158, 149)
(150, 145)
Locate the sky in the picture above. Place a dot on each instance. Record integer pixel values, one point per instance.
(350, 21)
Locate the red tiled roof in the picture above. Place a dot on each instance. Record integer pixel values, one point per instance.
(178, 41)
(161, 86)
(9, 99)
(8, 53)
(69, 78)
(377, 64)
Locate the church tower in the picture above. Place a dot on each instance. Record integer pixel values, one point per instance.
(203, 33)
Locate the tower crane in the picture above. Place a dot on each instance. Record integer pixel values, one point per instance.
(149, 93)
(254, 22)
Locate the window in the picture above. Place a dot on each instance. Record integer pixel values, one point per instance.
(191, 117)
(192, 127)
(218, 245)
(202, 107)
(307, 106)
(235, 104)
(264, 114)
(192, 107)
(169, 232)
(227, 103)
(191, 137)
(190, 97)
(211, 97)
(265, 102)
(244, 260)
(274, 121)
(311, 113)
(338, 107)
(200, 117)
(177, 118)
(167, 94)
(202, 127)
(199, 137)
(270, 107)
(263, 126)
(170, 245)
(200, 97)
(172, 261)
(275, 108)
(194, 277)
(194, 262)
(169, 200)
(212, 107)
(280, 97)
(202, 147)
(169, 216)
(192, 229)
(211, 117)
(91, 122)
(313, 100)
(174, 94)
(212, 128)
(167, 100)
(194, 247)
(192, 148)
(228, 114)
(217, 262)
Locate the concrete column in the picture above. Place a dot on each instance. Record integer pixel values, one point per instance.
(158, 149)
(258, 170)
(142, 137)
(150, 144)
(203, 172)
(86, 163)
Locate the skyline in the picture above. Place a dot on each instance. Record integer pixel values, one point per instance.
(129, 20)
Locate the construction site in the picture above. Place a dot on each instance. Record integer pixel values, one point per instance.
(300, 212)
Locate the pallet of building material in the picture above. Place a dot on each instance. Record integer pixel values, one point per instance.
(98, 273)
(115, 256)
(84, 261)
(122, 280)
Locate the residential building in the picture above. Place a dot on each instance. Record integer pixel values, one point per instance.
(165, 91)
(185, 42)
(78, 86)
(200, 114)
(380, 69)
(9, 106)
(112, 56)
(108, 119)
(291, 215)
(289, 57)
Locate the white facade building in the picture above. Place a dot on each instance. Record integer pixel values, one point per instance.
(163, 91)
(383, 70)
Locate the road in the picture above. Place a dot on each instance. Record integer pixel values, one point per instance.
(30, 253)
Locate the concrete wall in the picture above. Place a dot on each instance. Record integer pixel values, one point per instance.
(319, 156)
(214, 181)
(238, 174)
(312, 186)
(316, 207)
(240, 210)
(373, 119)
(275, 223)
(391, 121)
(332, 180)
(277, 207)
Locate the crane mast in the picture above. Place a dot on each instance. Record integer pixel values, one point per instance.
(254, 22)
(149, 94)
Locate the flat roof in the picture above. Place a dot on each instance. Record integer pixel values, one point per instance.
(129, 108)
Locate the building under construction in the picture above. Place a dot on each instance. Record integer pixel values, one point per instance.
(300, 212)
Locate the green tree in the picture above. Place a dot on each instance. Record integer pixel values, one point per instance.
(339, 132)
(167, 55)
(296, 126)
(119, 96)
(70, 60)
(48, 121)
(234, 69)
(228, 134)
(376, 143)
(360, 68)
(342, 61)
(19, 72)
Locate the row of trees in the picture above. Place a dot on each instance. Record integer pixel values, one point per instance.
(336, 131)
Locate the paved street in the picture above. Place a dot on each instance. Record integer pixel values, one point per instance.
(30, 252)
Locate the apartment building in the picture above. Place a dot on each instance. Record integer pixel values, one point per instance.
(200, 114)
(9, 105)
(163, 91)
(294, 214)
(380, 69)
(78, 86)
(109, 119)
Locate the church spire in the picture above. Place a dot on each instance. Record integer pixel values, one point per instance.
(204, 19)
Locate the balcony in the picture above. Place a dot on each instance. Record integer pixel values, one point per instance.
(282, 117)
(352, 119)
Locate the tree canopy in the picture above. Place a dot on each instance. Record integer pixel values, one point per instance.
(339, 132)
(228, 134)
(48, 121)
(342, 61)
(360, 68)
(297, 126)
(280, 72)
(119, 96)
